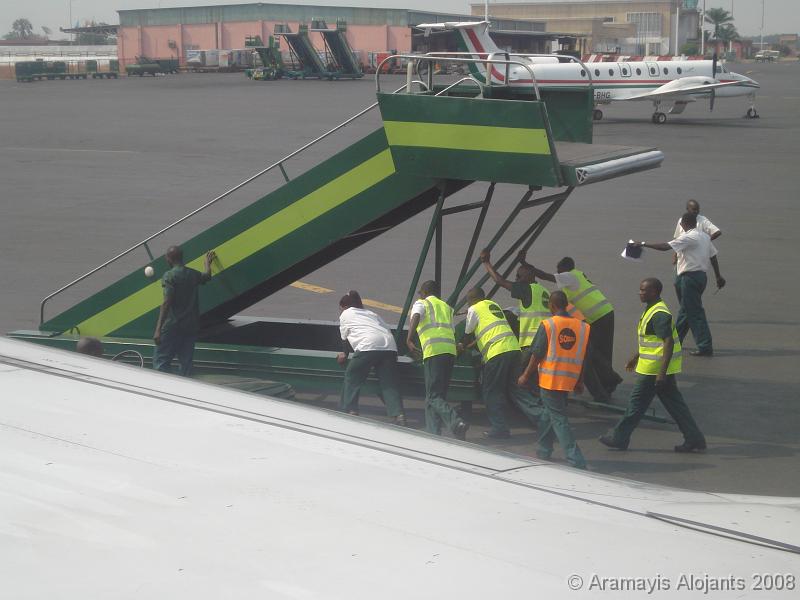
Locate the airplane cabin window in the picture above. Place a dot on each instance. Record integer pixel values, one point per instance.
(611, 72)
(583, 73)
(597, 72)
(680, 70)
(624, 71)
(666, 71)
(652, 71)
(638, 71)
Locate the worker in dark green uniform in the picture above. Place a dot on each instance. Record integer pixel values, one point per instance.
(432, 320)
(533, 299)
(179, 316)
(500, 353)
(657, 362)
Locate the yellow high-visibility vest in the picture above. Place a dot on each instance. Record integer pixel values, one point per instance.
(530, 317)
(651, 347)
(435, 328)
(493, 333)
(588, 298)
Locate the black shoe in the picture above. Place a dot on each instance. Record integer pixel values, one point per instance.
(691, 447)
(460, 430)
(610, 389)
(702, 353)
(497, 435)
(608, 441)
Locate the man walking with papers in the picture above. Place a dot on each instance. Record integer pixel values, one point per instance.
(696, 254)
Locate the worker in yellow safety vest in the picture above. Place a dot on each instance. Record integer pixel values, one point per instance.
(532, 298)
(656, 363)
(601, 379)
(558, 351)
(500, 355)
(432, 320)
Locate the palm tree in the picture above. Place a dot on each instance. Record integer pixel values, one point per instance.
(728, 35)
(718, 17)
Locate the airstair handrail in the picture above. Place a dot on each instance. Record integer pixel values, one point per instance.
(143, 243)
(444, 57)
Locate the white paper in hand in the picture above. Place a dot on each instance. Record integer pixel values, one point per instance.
(631, 252)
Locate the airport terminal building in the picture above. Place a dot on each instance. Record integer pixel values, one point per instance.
(171, 32)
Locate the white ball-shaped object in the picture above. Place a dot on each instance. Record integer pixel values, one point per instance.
(149, 271)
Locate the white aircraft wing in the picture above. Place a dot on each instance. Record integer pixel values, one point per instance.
(119, 482)
(675, 89)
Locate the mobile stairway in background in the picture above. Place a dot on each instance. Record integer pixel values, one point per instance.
(308, 64)
(434, 141)
(338, 49)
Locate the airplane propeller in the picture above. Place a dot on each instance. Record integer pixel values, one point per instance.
(714, 75)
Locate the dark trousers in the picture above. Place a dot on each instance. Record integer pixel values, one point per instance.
(358, 367)
(496, 382)
(527, 400)
(438, 370)
(599, 375)
(554, 425)
(689, 288)
(174, 344)
(642, 395)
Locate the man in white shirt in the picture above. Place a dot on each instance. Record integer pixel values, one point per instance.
(373, 347)
(703, 224)
(696, 254)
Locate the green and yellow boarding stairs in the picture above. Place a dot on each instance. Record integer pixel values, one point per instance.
(431, 145)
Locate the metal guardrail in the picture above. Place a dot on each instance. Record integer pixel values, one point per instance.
(143, 243)
(415, 58)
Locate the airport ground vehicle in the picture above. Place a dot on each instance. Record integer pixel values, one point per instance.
(767, 56)
(96, 73)
(38, 70)
(146, 66)
(435, 139)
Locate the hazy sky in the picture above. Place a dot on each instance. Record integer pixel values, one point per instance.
(782, 16)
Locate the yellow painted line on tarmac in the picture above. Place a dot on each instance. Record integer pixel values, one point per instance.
(310, 288)
(318, 289)
(383, 305)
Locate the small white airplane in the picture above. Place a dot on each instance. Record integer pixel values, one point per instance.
(121, 482)
(669, 85)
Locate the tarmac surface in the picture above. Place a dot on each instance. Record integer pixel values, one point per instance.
(89, 168)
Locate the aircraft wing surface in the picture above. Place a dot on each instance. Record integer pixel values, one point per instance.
(675, 89)
(118, 482)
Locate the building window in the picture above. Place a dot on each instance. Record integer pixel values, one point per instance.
(608, 19)
(647, 24)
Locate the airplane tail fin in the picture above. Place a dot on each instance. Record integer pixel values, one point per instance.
(473, 37)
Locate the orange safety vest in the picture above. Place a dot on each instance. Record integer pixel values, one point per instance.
(573, 311)
(567, 340)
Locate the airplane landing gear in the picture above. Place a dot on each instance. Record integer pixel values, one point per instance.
(597, 114)
(752, 113)
(659, 118)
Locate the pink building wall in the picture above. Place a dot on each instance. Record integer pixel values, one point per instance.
(153, 41)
